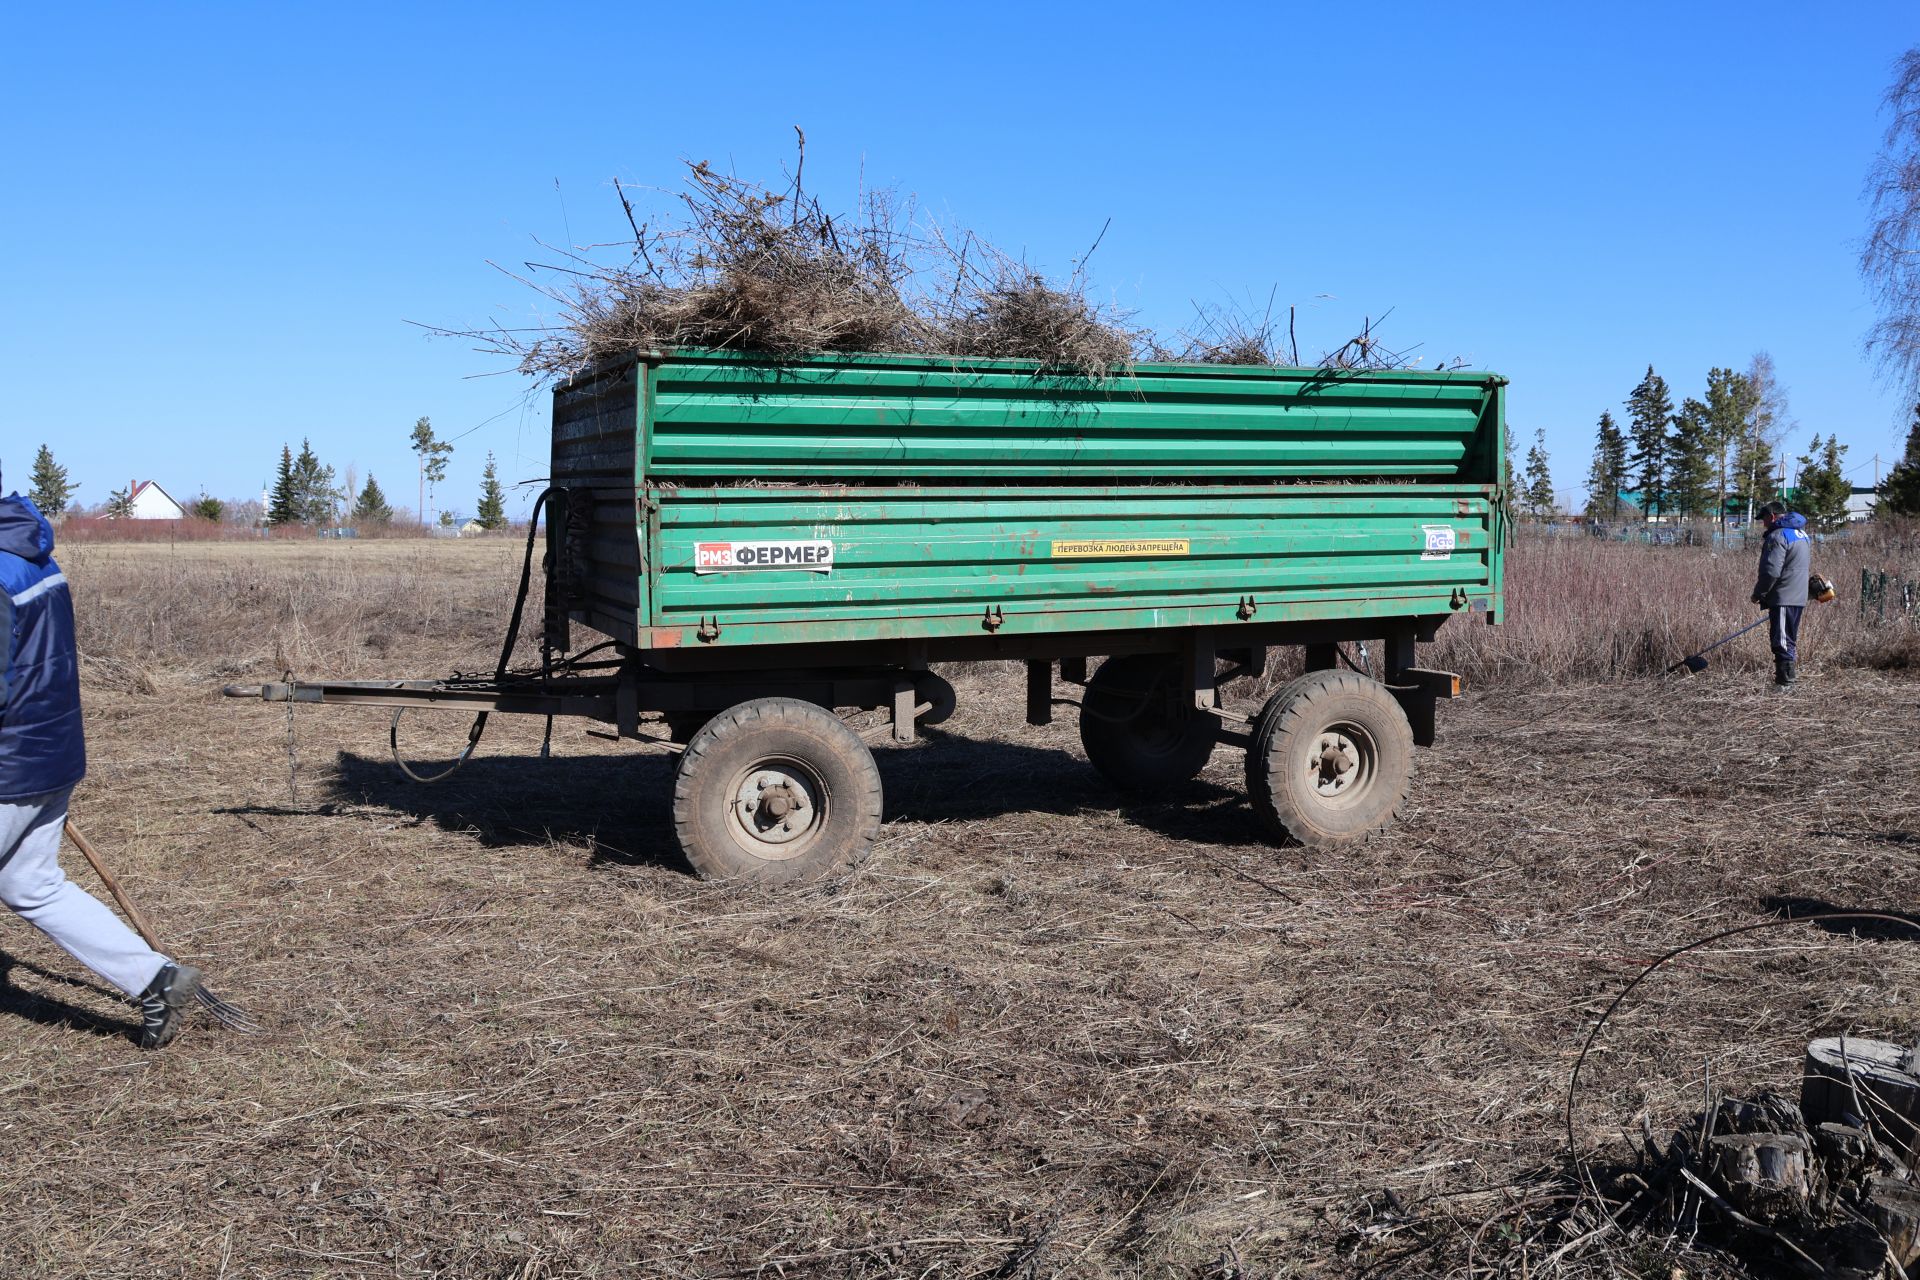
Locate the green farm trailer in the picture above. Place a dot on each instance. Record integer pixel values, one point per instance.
(760, 545)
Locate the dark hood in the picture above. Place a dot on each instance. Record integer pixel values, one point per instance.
(23, 530)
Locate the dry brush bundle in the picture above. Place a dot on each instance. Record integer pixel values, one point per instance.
(745, 267)
(1235, 335)
(994, 305)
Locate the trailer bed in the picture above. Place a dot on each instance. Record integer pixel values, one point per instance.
(715, 501)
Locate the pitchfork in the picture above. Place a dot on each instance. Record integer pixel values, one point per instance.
(227, 1015)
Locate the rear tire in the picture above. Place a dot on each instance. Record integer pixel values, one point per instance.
(1331, 761)
(1133, 736)
(775, 790)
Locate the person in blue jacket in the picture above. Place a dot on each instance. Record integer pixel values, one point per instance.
(1781, 588)
(42, 756)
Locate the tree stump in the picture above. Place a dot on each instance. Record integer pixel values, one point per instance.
(1855, 1251)
(1865, 1082)
(1767, 1176)
(1847, 1155)
(1894, 1208)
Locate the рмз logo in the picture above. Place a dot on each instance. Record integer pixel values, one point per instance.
(814, 556)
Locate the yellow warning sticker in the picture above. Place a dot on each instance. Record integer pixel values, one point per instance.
(1130, 547)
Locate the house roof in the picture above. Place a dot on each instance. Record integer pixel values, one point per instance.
(142, 486)
(137, 487)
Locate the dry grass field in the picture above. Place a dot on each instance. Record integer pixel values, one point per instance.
(1042, 1033)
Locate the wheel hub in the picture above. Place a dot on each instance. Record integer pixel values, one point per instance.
(1333, 764)
(776, 805)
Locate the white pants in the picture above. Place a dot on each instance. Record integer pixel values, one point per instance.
(38, 891)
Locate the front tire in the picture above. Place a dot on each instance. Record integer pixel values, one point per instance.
(1331, 761)
(775, 790)
(1139, 730)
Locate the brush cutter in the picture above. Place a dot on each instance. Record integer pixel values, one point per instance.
(1820, 590)
(226, 1014)
(1696, 663)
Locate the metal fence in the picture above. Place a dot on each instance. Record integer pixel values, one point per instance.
(1884, 595)
(1670, 535)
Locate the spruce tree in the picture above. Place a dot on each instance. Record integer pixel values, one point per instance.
(1690, 461)
(492, 511)
(1608, 474)
(314, 497)
(207, 508)
(283, 507)
(1900, 491)
(1538, 494)
(1823, 490)
(371, 506)
(50, 490)
(1650, 408)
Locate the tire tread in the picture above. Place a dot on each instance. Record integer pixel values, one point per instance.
(1293, 705)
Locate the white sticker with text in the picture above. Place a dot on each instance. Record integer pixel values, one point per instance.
(814, 556)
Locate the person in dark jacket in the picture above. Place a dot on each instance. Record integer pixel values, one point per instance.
(42, 756)
(1781, 588)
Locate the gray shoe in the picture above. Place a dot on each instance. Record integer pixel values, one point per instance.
(163, 1005)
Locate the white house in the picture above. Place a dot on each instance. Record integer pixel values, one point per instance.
(1860, 502)
(146, 500)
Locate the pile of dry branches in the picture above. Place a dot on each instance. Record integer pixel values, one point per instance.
(746, 267)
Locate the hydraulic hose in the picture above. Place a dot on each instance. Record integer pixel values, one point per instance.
(479, 727)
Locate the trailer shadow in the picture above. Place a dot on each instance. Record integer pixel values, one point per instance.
(614, 804)
(617, 804)
(959, 779)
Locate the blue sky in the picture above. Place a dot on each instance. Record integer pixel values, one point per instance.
(218, 220)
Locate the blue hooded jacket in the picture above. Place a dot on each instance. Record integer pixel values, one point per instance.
(1784, 556)
(41, 743)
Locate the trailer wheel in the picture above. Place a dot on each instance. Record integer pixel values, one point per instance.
(1331, 761)
(1133, 735)
(776, 790)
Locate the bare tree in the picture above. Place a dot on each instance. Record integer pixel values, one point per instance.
(1768, 423)
(1891, 259)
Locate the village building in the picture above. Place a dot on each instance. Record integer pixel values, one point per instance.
(146, 500)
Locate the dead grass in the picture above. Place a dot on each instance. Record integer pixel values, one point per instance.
(1043, 1033)
(1583, 609)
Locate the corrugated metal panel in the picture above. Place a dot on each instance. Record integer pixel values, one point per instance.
(911, 418)
(931, 561)
(596, 421)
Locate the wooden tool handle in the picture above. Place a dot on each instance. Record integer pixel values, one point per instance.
(113, 886)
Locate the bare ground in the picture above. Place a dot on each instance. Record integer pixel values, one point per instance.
(1041, 1033)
